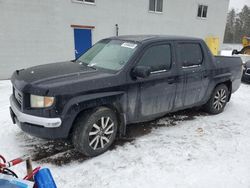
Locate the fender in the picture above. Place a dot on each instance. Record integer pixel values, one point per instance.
(222, 78)
(80, 100)
(76, 105)
(225, 76)
(217, 80)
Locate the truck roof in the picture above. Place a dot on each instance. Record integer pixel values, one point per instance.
(151, 38)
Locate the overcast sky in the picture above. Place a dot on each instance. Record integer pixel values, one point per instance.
(238, 4)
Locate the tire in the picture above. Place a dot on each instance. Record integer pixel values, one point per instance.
(218, 100)
(95, 131)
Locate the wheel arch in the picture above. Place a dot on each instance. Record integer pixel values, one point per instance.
(91, 106)
(228, 84)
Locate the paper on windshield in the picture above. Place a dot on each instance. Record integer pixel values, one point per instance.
(129, 45)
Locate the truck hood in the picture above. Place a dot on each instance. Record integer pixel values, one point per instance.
(47, 72)
(53, 79)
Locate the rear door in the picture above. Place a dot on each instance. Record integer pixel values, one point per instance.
(193, 79)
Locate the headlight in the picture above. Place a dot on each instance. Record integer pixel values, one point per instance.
(41, 101)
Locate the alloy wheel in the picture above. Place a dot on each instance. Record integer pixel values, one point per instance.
(101, 133)
(220, 99)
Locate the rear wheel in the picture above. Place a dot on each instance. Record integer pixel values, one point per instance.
(218, 100)
(95, 131)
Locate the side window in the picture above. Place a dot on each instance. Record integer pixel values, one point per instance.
(190, 54)
(157, 57)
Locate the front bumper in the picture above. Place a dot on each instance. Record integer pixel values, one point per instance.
(33, 120)
(47, 128)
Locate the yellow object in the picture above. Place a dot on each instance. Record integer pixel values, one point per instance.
(246, 41)
(213, 44)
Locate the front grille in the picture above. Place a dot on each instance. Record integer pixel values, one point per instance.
(18, 96)
(248, 71)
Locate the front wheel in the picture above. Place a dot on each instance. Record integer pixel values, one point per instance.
(95, 131)
(218, 100)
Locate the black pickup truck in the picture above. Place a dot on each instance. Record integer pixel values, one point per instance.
(119, 81)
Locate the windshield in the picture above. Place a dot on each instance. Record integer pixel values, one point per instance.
(109, 54)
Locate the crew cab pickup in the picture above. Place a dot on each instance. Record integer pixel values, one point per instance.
(119, 81)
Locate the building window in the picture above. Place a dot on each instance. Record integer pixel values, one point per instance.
(85, 1)
(155, 5)
(202, 11)
(89, 1)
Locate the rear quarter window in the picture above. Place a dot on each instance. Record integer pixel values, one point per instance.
(190, 54)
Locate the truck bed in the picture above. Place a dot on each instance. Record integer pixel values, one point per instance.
(226, 61)
(231, 66)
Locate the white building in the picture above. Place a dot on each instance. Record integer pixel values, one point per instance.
(35, 32)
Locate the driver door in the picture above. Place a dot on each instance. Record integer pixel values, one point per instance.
(156, 93)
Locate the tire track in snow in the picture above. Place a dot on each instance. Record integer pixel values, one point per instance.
(61, 152)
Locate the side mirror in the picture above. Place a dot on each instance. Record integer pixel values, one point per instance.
(141, 72)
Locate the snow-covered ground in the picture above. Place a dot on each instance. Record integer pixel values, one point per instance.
(227, 49)
(198, 151)
(231, 47)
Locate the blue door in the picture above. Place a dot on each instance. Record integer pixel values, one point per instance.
(83, 41)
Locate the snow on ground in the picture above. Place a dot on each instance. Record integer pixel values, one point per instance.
(231, 47)
(226, 52)
(204, 151)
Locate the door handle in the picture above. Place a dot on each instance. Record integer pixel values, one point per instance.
(171, 80)
(205, 75)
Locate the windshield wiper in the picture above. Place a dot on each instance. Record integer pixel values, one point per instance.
(92, 67)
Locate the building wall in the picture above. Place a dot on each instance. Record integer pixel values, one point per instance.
(36, 32)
